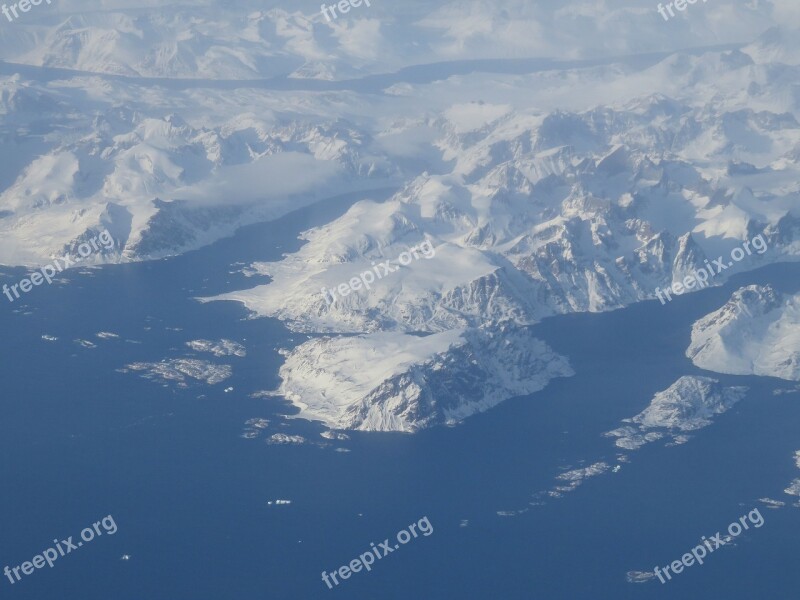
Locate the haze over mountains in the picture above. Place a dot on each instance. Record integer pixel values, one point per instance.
(256, 40)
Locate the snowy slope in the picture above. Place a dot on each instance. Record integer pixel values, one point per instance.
(396, 382)
(757, 332)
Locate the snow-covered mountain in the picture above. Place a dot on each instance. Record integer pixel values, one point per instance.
(757, 332)
(391, 382)
(545, 212)
(547, 181)
(687, 405)
(159, 184)
(170, 166)
(536, 212)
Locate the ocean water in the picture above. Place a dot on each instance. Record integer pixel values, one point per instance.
(80, 440)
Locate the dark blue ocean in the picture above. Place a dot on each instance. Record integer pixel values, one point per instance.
(80, 440)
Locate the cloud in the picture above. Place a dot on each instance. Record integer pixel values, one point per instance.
(267, 179)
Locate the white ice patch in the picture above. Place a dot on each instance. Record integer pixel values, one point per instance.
(218, 348)
(180, 369)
